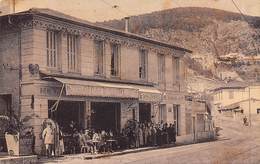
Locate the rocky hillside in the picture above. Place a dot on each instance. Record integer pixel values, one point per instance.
(210, 33)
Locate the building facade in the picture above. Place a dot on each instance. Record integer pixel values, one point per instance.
(238, 99)
(59, 67)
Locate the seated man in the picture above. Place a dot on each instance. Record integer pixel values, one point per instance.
(102, 144)
(96, 140)
(88, 142)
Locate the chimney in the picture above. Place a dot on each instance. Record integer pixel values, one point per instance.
(127, 24)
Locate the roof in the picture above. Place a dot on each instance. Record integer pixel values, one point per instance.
(237, 104)
(232, 85)
(64, 17)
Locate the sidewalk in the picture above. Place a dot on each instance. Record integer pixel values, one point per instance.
(181, 140)
(6, 159)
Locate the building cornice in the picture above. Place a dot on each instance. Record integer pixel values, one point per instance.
(45, 23)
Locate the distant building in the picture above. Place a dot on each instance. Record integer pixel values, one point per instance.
(237, 98)
(67, 69)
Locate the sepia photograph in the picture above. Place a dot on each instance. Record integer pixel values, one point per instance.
(130, 81)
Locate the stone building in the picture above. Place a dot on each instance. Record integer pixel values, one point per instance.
(67, 69)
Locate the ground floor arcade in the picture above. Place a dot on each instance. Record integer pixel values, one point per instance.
(98, 105)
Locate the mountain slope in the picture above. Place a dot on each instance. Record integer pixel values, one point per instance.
(210, 33)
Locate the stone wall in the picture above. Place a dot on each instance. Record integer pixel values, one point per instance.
(9, 66)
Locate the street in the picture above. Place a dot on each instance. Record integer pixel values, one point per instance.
(236, 144)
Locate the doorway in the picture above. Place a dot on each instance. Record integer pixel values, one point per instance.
(105, 116)
(66, 112)
(176, 117)
(144, 112)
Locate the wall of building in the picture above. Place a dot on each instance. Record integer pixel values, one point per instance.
(240, 96)
(9, 66)
(33, 51)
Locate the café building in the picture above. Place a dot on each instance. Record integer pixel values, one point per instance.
(68, 69)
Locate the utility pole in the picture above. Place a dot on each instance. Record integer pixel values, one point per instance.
(13, 1)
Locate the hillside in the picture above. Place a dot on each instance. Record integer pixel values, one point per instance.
(210, 33)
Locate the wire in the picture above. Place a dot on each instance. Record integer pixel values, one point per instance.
(245, 19)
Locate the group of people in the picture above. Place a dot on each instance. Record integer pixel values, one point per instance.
(133, 135)
(92, 141)
(137, 135)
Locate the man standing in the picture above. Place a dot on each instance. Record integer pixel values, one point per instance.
(174, 133)
(48, 138)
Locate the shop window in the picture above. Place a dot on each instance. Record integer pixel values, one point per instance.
(161, 67)
(115, 60)
(72, 52)
(52, 48)
(99, 57)
(143, 64)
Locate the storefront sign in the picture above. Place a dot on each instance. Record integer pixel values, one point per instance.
(50, 91)
(151, 97)
(97, 91)
(174, 97)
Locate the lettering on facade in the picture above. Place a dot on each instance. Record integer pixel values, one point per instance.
(152, 97)
(50, 91)
(94, 91)
(174, 97)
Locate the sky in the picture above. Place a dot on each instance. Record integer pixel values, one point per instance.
(101, 10)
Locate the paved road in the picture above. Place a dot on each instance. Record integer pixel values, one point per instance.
(237, 144)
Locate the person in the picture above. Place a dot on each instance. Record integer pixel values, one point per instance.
(174, 133)
(75, 142)
(102, 144)
(245, 121)
(170, 133)
(140, 134)
(61, 140)
(136, 130)
(159, 135)
(153, 135)
(48, 138)
(89, 143)
(96, 140)
(149, 138)
(33, 140)
(82, 140)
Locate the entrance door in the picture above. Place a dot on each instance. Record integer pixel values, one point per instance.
(66, 112)
(144, 112)
(105, 116)
(176, 119)
(194, 128)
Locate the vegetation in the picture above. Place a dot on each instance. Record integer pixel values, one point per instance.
(209, 33)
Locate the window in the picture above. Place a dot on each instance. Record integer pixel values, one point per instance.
(143, 64)
(52, 48)
(162, 112)
(258, 110)
(161, 67)
(115, 52)
(99, 57)
(176, 69)
(231, 94)
(72, 52)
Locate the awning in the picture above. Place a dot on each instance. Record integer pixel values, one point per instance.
(75, 87)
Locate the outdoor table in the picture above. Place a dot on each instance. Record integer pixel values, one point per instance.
(110, 143)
